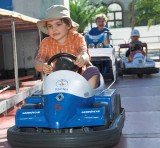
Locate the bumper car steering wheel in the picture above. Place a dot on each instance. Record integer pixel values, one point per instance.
(64, 61)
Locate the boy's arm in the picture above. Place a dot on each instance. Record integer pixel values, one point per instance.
(38, 66)
(83, 57)
(43, 67)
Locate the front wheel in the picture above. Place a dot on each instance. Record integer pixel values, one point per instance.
(140, 75)
(117, 105)
(107, 116)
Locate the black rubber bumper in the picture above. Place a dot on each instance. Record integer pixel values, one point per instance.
(151, 70)
(93, 139)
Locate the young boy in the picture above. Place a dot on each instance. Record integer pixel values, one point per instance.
(101, 21)
(135, 44)
(63, 39)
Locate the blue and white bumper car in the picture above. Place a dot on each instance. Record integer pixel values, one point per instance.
(68, 114)
(137, 63)
(101, 44)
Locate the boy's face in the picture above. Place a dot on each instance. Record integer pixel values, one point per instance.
(134, 38)
(100, 23)
(58, 30)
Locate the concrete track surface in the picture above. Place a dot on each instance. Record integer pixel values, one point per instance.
(141, 100)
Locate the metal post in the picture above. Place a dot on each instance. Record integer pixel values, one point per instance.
(42, 75)
(40, 36)
(15, 54)
(133, 18)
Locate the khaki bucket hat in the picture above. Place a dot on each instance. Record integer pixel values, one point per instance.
(53, 13)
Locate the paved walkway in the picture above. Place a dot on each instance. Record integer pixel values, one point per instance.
(141, 100)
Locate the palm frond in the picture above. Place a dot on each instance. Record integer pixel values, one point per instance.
(83, 12)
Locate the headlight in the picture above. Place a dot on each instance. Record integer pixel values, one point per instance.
(91, 45)
(99, 45)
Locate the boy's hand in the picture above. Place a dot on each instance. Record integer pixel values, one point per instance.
(79, 61)
(47, 69)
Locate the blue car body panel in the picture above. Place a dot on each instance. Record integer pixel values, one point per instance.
(78, 112)
(62, 109)
(95, 39)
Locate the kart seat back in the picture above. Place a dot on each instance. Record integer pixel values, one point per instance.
(121, 46)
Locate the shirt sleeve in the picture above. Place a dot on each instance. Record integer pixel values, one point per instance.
(82, 46)
(42, 52)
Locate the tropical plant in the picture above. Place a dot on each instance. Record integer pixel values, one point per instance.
(147, 12)
(83, 12)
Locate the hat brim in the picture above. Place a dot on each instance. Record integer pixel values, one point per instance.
(42, 24)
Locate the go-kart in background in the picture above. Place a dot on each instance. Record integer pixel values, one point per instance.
(149, 35)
